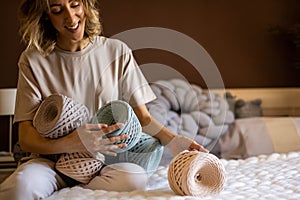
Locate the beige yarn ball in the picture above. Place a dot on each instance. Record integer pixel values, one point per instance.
(79, 166)
(59, 115)
(195, 173)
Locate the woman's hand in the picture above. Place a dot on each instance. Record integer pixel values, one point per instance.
(195, 146)
(94, 138)
(180, 143)
(176, 143)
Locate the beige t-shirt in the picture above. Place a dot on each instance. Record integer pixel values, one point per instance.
(104, 71)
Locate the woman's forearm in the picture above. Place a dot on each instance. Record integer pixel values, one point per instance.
(174, 142)
(153, 127)
(31, 141)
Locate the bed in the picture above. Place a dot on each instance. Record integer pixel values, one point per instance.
(275, 176)
(260, 152)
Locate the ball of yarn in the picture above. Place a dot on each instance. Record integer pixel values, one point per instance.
(58, 115)
(147, 153)
(195, 173)
(79, 166)
(118, 111)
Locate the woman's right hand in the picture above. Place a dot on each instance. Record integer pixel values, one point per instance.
(94, 139)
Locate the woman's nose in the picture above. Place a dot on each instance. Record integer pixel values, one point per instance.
(69, 16)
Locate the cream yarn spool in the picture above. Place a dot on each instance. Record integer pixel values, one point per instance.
(58, 115)
(195, 173)
(79, 166)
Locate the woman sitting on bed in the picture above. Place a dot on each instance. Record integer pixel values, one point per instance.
(66, 55)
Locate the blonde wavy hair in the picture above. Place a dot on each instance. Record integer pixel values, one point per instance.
(37, 31)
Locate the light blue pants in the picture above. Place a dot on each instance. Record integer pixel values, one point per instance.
(37, 179)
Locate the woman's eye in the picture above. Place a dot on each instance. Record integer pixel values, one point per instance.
(74, 5)
(56, 11)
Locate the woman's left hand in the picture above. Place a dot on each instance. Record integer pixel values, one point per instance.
(180, 143)
(195, 146)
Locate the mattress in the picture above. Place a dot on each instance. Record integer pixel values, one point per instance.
(274, 176)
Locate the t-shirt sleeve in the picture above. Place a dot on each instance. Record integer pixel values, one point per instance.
(28, 94)
(135, 88)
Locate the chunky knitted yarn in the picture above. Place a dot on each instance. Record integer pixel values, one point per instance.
(188, 110)
(58, 116)
(196, 173)
(118, 111)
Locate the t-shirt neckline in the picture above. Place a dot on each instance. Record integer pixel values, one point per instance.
(76, 53)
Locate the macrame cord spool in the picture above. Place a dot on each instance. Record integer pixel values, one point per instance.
(196, 173)
(142, 149)
(118, 111)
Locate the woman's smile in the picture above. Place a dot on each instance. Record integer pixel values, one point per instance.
(68, 18)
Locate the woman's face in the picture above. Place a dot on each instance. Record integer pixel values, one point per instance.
(68, 18)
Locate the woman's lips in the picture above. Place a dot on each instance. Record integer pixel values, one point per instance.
(72, 28)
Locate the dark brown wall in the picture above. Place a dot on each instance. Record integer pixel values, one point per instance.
(9, 53)
(10, 45)
(235, 33)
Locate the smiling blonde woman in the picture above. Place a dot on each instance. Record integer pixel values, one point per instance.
(67, 55)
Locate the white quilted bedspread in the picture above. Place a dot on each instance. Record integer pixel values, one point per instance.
(275, 176)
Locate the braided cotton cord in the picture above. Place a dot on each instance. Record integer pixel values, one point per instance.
(196, 174)
(79, 166)
(142, 149)
(120, 111)
(146, 153)
(58, 116)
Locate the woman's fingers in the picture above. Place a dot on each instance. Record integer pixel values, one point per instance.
(111, 140)
(103, 128)
(95, 127)
(111, 128)
(109, 149)
(198, 147)
(93, 137)
(118, 138)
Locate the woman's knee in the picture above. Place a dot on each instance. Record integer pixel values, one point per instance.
(32, 180)
(120, 177)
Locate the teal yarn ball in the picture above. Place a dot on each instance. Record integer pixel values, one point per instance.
(118, 111)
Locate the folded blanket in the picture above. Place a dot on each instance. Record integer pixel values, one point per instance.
(196, 173)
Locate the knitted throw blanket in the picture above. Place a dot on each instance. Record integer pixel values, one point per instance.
(196, 173)
(188, 110)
